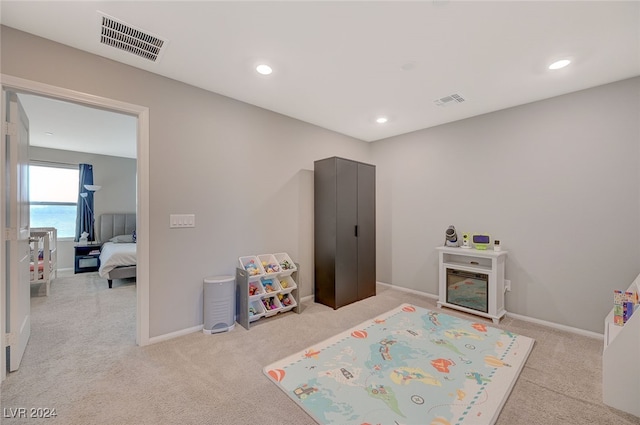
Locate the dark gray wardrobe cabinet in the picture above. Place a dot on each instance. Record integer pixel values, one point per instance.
(345, 231)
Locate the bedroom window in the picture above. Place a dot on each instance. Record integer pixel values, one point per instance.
(53, 197)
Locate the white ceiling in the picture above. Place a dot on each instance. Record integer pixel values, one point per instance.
(72, 127)
(339, 65)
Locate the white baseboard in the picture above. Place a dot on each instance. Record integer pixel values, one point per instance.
(553, 325)
(424, 294)
(411, 291)
(558, 326)
(166, 337)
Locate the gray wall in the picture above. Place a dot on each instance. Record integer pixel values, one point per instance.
(117, 176)
(246, 173)
(557, 181)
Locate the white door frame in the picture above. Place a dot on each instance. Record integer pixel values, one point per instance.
(21, 85)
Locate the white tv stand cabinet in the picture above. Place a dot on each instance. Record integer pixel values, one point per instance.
(620, 361)
(473, 260)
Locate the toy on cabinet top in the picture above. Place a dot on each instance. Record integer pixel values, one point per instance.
(465, 241)
(481, 241)
(451, 237)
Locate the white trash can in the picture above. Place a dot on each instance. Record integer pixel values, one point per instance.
(219, 304)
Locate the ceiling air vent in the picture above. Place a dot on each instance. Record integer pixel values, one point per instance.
(123, 36)
(449, 100)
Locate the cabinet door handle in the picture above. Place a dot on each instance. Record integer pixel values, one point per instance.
(356, 230)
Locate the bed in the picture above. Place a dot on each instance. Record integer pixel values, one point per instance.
(118, 251)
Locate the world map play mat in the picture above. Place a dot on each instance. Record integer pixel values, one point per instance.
(408, 366)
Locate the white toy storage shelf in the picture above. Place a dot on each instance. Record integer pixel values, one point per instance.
(621, 361)
(266, 285)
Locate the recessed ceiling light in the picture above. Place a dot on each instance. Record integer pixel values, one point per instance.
(264, 69)
(382, 120)
(560, 64)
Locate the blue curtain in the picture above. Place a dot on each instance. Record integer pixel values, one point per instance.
(84, 217)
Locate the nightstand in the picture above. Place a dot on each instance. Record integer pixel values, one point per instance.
(87, 257)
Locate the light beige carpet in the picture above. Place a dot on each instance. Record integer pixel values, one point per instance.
(82, 360)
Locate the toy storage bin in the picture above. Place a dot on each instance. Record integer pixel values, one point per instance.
(270, 281)
(271, 300)
(287, 266)
(269, 264)
(248, 297)
(287, 284)
(285, 307)
(259, 290)
(248, 262)
(219, 304)
(258, 310)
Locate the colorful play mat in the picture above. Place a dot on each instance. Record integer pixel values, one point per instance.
(408, 366)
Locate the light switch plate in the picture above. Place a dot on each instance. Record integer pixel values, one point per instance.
(182, 220)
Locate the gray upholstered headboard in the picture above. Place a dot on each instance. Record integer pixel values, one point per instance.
(115, 224)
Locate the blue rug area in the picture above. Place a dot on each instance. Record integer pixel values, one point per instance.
(408, 366)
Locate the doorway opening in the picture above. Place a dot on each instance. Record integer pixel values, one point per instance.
(141, 113)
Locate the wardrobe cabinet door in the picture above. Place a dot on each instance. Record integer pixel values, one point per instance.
(325, 184)
(346, 238)
(366, 231)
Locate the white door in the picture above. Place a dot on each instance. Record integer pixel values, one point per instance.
(18, 307)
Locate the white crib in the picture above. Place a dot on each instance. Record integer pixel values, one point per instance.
(44, 256)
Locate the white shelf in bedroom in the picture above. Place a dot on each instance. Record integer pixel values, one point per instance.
(620, 364)
(45, 240)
